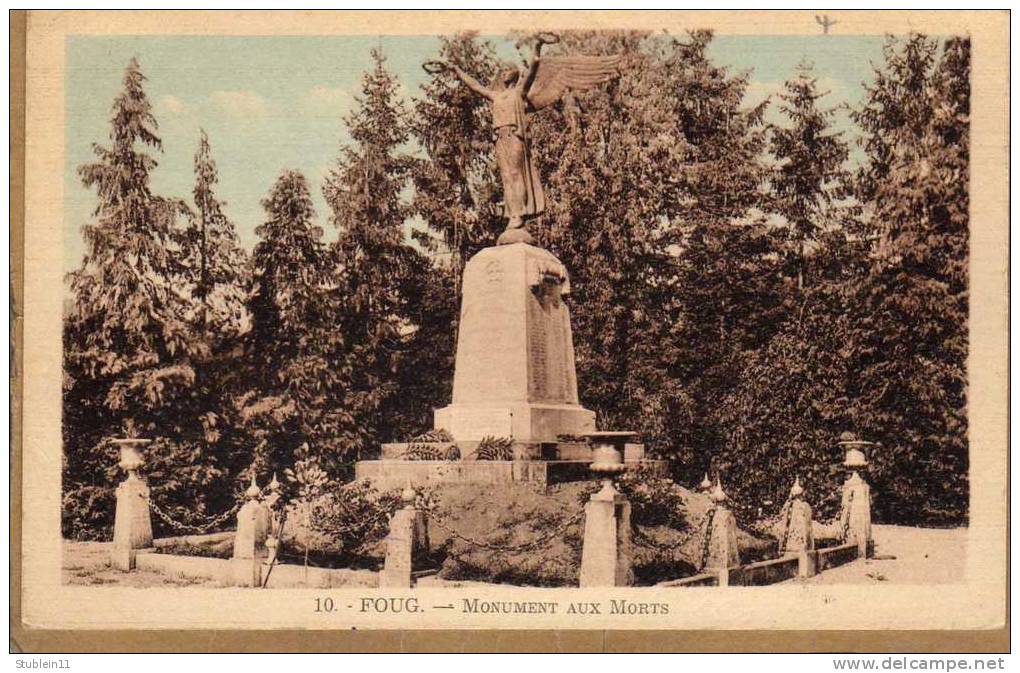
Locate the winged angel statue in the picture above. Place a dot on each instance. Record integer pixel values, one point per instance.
(513, 96)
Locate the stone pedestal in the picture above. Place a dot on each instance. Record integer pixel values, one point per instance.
(515, 373)
(250, 544)
(723, 552)
(406, 543)
(799, 536)
(132, 527)
(799, 539)
(857, 513)
(606, 557)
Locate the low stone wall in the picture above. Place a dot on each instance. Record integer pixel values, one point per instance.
(200, 567)
(194, 540)
(773, 571)
(282, 576)
(835, 556)
(765, 572)
(549, 451)
(702, 580)
(285, 576)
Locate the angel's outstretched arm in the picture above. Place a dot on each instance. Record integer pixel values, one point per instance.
(533, 68)
(472, 83)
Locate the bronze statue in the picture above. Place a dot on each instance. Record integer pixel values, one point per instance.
(513, 96)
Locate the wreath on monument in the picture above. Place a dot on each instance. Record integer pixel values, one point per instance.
(495, 448)
(422, 451)
(424, 446)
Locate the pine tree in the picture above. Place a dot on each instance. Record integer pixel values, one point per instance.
(381, 279)
(788, 404)
(130, 351)
(217, 280)
(786, 408)
(287, 350)
(911, 338)
(810, 173)
(729, 293)
(129, 316)
(217, 263)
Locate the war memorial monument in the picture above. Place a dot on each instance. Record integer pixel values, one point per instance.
(515, 376)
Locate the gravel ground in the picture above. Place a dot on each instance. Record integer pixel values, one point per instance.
(923, 556)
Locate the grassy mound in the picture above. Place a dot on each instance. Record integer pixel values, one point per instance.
(509, 533)
(515, 533)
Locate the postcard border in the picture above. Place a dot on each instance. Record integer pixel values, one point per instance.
(29, 640)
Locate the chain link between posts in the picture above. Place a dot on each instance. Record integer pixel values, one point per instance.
(509, 549)
(217, 520)
(706, 523)
(642, 539)
(786, 514)
(706, 543)
(844, 516)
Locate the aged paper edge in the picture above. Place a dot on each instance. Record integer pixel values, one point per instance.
(34, 640)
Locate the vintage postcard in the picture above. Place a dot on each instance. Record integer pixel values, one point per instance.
(605, 321)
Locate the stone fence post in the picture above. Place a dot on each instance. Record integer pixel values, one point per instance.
(723, 552)
(250, 540)
(406, 542)
(798, 538)
(606, 557)
(856, 510)
(857, 513)
(132, 524)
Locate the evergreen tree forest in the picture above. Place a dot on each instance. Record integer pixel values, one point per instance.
(743, 292)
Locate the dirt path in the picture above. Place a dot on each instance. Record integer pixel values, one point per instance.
(923, 556)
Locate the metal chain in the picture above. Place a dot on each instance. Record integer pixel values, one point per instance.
(364, 528)
(788, 510)
(649, 543)
(844, 516)
(526, 546)
(710, 518)
(204, 528)
(763, 526)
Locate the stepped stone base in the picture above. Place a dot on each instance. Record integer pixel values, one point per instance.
(564, 451)
(527, 421)
(391, 474)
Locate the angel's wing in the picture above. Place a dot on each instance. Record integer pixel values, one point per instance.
(556, 74)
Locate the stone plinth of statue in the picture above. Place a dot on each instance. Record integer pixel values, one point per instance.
(515, 373)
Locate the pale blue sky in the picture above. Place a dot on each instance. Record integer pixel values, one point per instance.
(272, 103)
